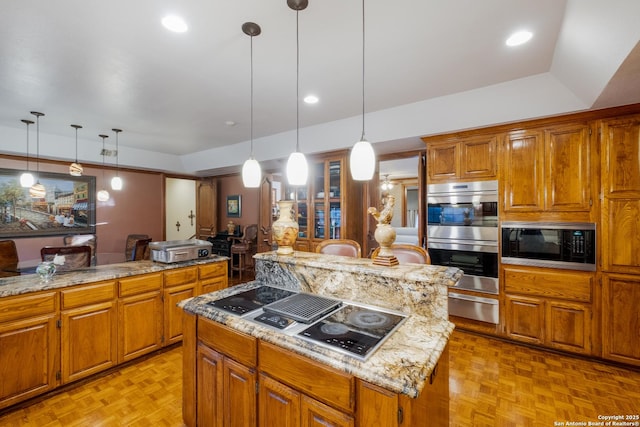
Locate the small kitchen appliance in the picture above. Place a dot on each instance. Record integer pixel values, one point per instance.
(171, 251)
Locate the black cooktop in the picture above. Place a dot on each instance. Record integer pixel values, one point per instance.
(251, 300)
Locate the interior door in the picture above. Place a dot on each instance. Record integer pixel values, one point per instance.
(180, 208)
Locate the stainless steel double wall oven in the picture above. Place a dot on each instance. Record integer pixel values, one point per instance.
(462, 232)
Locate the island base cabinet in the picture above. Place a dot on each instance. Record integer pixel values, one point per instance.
(209, 386)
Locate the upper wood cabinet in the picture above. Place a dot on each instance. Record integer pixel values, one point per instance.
(548, 170)
(468, 159)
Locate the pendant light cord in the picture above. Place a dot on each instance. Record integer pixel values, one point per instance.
(362, 138)
(76, 144)
(297, 83)
(251, 95)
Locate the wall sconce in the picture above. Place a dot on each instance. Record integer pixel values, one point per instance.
(386, 184)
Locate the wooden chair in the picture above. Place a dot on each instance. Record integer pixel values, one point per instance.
(8, 253)
(131, 243)
(343, 247)
(407, 253)
(244, 247)
(141, 250)
(83, 239)
(71, 257)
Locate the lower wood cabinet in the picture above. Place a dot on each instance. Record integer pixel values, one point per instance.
(621, 319)
(212, 277)
(179, 284)
(29, 346)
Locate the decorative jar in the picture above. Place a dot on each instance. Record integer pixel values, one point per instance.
(46, 270)
(231, 227)
(285, 228)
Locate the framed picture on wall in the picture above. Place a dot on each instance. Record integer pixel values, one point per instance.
(67, 205)
(234, 206)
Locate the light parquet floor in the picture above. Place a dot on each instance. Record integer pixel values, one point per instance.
(492, 383)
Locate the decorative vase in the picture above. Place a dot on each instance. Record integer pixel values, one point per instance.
(231, 227)
(285, 228)
(46, 270)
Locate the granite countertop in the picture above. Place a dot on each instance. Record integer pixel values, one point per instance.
(402, 364)
(17, 285)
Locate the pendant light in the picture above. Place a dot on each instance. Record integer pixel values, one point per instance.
(297, 168)
(75, 168)
(103, 195)
(116, 182)
(362, 160)
(26, 179)
(37, 190)
(386, 184)
(251, 172)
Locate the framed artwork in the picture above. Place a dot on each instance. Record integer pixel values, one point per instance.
(234, 206)
(67, 206)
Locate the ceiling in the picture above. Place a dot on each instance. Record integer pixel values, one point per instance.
(431, 67)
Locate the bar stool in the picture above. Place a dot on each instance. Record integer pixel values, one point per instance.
(244, 246)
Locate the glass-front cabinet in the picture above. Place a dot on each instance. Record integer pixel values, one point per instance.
(321, 205)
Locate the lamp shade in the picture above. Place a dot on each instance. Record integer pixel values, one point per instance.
(116, 183)
(37, 191)
(26, 179)
(75, 169)
(251, 173)
(362, 161)
(297, 169)
(103, 195)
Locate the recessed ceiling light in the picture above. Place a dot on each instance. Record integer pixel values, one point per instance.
(310, 99)
(174, 23)
(230, 123)
(519, 38)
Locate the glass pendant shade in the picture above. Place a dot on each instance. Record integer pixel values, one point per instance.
(103, 195)
(362, 161)
(75, 169)
(297, 169)
(116, 183)
(37, 191)
(26, 179)
(251, 173)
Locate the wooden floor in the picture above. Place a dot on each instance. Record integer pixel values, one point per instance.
(492, 383)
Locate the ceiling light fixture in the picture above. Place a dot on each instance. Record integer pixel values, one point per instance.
(103, 195)
(75, 168)
(362, 160)
(251, 172)
(37, 190)
(174, 23)
(116, 181)
(386, 184)
(311, 99)
(26, 179)
(297, 167)
(518, 38)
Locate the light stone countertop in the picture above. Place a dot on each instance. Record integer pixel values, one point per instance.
(403, 363)
(26, 283)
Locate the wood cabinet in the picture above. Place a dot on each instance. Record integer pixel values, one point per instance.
(324, 208)
(549, 307)
(179, 284)
(29, 346)
(621, 318)
(89, 329)
(212, 277)
(472, 158)
(206, 208)
(139, 316)
(548, 171)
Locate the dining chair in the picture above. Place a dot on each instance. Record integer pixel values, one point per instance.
(407, 253)
(244, 246)
(8, 253)
(141, 250)
(131, 243)
(67, 258)
(344, 247)
(83, 239)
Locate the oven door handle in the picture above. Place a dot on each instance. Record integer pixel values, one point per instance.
(464, 245)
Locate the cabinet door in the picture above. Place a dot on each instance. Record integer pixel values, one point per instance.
(279, 405)
(568, 168)
(139, 325)
(523, 171)
(316, 414)
(29, 358)
(213, 285)
(525, 318)
(210, 387)
(569, 326)
(621, 318)
(376, 406)
(443, 162)
(89, 338)
(621, 157)
(173, 313)
(239, 394)
(478, 157)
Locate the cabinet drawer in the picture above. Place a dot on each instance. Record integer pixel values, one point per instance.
(238, 346)
(139, 284)
(328, 385)
(23, 306)
(86, 295)
(180, 276)
(214, 269)
(571, 285)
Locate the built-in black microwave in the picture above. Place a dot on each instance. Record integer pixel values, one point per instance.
(556, 245)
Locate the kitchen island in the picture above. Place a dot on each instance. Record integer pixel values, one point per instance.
(404, 382)
(85, 321)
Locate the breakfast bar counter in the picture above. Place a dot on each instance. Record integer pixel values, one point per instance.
(405, 366)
